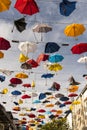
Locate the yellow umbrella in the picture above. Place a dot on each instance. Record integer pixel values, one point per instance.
(41, 116)
(20, 101)
(1, 54)
(49, 105)
(73, 88)
(5, 91)
(74, 30)
(76, 102)
(33, 84)
(21, 75)
(4, 5)
(55, 67)
(23, 58)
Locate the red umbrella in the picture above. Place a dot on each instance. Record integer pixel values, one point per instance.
(72, 95)
(33, 63)
(41, 111)
(27, 85)
(15, 81)
(42, 57)
(4, 44)
(25, 96)
(67, 102)
(79, 48)
(28, 7)
(31, 115)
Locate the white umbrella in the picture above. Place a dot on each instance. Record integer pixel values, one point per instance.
(83, 60)
(27, 47)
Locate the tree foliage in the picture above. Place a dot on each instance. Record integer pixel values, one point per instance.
(56, 124)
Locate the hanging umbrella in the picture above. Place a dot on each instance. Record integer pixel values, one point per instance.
(58, 95)
(26, 66)
(72, 81)
(20, 24)
(42, 28)
(55, 67)
(57, 103)
(27, 47)
(4, 44)
(23, 58)
(55, 58)
(59, 112)
(46, 101)
(2, 78)
(51, 47)
(1, 54)
(36, 101)
(83, 60)
(67, 7)
(73, 88)
(28, 7)
(55, 86)
(5, 91)
(41, 110)
(48, 93)
(72, 95)
(62, 105)
(79, 48)
(64, 98)
(26, 85)
(42, 57)
(74, 30)
(42, 96)
(67, 102)
(6, 72)
(16, 81)
(50, 105)
(48, 75)
(32, 62)
(4, 5)
(31, 115)
(16, 93)
(76, 102)
(25, 96)
(21, 75)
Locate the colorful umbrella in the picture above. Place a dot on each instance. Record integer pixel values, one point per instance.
(1, 54)
(55, 58)
(4, 5)
(42, 28)
(20, 24)
(16, 93)
(21, 75)
(51, 47)
(42, 57)
(41, 110)
(31, 115)
(42, 96)
(55, 86)
(64, 98)
(16, 81)
(72, 95)
(62, 105)
(28, 7)
(79, 48)
(55, 67)
(5, 91)
(73, 88)
(27, 47)
(83, 60)
(32, 62)
(74, 30)
(76, 102)
(58, 95)
(72, 81)
(4, 44)
(2, 78)
(26, 66)
(67, 102)
(25, 96)
(6, 72)
(67, 7)
(23, 58)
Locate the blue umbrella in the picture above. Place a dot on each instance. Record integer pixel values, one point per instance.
(2, 78)
(64, 98)
(48, 75)
(62, 105)
(16, 93)
(67, 7)
(36, 101)
(51, 47)
(42, 96)
(55, 58)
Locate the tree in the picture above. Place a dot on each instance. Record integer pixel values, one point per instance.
(56, 124)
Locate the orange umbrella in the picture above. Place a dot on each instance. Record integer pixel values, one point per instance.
(4, 5)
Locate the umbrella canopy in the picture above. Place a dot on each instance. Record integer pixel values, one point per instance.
(72, 81)
(42, 96)
(2, 78)
(82, 59)
(41, 110)
(74, 30)
(4, 44)
(5, 91)
(1, 54)
(32, 62)
(4, 5)
(6, 72)
(56, 86)
(16, 81)
(48, 75)
(31, 115)
(25, 96)
(42, 57)
(23, 58)
(20, 24)
(72, 95)
(21, 75)
(67, 7)
(58, 95)
(67, 102)
(55, 58)
(55, 67)
(64, 98)
(28, 7)
(79, 48)
(27, 47)
(51, 47)
(16, 92)
(76, 102)
(73, 88)
(26, 85)
(26, 66)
